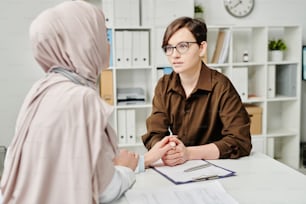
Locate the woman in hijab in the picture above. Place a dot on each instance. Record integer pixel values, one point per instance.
(64, 151)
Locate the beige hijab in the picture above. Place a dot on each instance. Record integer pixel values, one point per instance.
(63, 148)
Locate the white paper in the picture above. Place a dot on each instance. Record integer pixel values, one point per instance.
(211, 192)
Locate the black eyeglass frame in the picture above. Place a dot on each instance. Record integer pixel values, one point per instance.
(175, 47)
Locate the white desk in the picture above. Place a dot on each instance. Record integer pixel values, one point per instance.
(260, 180)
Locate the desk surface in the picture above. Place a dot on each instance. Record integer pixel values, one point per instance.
(260, 179)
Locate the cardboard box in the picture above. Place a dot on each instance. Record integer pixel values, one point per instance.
(106, 86)
(255, 114)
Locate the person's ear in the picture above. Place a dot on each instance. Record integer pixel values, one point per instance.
(203, 48)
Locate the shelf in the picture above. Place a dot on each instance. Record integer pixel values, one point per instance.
(282, 62)
(134, 68)
(138, 106)
(280, 133)
(139, 144)
(282, 98)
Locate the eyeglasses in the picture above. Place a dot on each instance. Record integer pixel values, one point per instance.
(181, 48)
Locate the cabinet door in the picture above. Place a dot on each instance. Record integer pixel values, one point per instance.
(168, 10)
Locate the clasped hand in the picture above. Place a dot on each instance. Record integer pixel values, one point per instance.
(178, 154)
(164, 149)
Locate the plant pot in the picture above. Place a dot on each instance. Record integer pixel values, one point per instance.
(276, 55)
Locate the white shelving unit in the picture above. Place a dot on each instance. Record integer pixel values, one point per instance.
(274, 86)
(258, 80)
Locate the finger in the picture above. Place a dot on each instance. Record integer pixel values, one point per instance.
(166, 149)
(170, 162)
(123, 151)
(173, 156)
(164, 141)
(175, 139)
(171, 151)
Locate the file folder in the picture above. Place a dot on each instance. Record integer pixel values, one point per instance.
(145, 47)
(136, 48)
(107, 6)
(110, 40)
(127, 13)
(119, 48)
(271, 81)
(130, 126)
(122, 127)
(127, 48)
(239, 78)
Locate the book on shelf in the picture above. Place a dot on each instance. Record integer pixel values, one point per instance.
(222, 46)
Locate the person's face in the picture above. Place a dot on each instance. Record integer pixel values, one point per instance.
(190, 59)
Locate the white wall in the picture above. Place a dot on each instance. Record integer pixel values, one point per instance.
(19, 70)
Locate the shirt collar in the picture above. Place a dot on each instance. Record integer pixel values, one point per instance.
(204, 82)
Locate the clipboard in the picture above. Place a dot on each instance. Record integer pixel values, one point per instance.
(181, 174)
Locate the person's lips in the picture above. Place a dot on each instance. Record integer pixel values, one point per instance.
(177, 63)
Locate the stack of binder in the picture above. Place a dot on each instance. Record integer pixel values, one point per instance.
(132, 48)
(126, 126)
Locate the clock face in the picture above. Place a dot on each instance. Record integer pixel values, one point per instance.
(239, 8)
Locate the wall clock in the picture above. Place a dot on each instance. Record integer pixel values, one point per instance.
(239, 8)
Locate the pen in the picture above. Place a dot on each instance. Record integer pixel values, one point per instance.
(169, 129)
(205, 177)
(173, 144)
(197, 167)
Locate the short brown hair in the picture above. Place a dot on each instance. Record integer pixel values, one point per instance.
(195, 26)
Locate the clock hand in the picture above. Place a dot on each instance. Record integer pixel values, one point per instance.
(239, 2)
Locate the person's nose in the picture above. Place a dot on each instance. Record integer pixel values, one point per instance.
(175, 53)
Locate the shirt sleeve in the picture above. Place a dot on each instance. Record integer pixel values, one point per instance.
(157, 123)
(141, 165)
(122, 180)
(236, 141)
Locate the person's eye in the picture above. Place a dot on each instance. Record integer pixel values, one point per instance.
(168, 48)
(183, 45)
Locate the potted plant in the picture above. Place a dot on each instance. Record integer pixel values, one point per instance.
(276, 48)
(198, 11)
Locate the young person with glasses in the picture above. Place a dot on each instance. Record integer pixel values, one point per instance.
(198, 105)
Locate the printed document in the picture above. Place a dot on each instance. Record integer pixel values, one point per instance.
(210, 192)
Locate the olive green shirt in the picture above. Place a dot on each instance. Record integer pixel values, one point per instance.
(213, 113)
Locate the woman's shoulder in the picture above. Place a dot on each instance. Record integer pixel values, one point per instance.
(219, 78)
(166, 81)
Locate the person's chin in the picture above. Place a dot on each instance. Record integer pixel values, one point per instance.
(178, 70)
